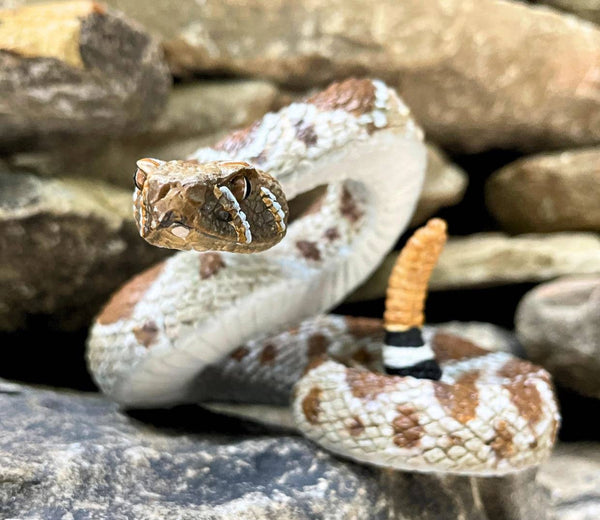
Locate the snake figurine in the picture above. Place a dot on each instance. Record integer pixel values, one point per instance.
(211, 324)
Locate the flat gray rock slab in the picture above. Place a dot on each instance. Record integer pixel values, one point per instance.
(571, 478)
(69, 456)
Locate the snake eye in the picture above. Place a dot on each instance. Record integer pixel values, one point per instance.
(241, 187)
(139, 177)
(223, 215)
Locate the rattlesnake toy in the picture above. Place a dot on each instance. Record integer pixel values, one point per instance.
(212, 325)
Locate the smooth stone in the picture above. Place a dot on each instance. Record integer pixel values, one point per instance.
(76, 455)
(65, 246)
(197, 114)
(495, 259)
(445, 184)
(459, 65)
(586, 9)
(73, 69)
(548, 192)
(558, 323)
(571, 479)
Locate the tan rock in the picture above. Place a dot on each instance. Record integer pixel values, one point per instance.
(73, 68)
(65, 246)
(459, 64)
(445, 184)
(557, 323)
(587, 9)
(197, 114)
(493, 259)
(550, 192)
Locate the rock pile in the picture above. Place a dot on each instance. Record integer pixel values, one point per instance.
(508, 94)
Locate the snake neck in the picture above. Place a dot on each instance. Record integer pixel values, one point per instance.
(357, 139)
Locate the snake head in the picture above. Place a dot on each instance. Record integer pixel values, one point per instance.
(212, 206)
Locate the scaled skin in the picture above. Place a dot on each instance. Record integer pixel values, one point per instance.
(213, 206)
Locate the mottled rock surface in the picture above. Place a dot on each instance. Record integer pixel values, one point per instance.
(587, 9)
(493, 259)
(445, 184)
(571, 478)
(558, 324)
(64, 247)
(74, 68)
(488, 259)
(549, 192)
(196, 115)
(459, 64)
(72, 455)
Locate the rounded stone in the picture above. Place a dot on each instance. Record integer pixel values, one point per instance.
(557, 324)
(548, 192)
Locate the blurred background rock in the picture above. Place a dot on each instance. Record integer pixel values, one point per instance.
(508, 94)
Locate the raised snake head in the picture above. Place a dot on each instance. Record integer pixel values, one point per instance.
(213, 206)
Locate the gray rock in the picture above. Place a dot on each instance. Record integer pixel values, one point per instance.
(587, 9)
(548, 192)
(571, 478)
(76, 69)
(75, 455)
(445, 184)
(557, 323)
(196, 114)
(459, 64)
(65, 246)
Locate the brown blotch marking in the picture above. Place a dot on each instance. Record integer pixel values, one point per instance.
(237, 140)
(355, 426)
(407, 430)
(314, 363)
(523, 392)
(122, 303)
(146, 334)
(210, 264)
(365, 327)
(356, 96)
(362, 356)
(306, 134)
(268, 354)
(502, 443)
(368, 385)
(525, 396)
(332, 234)
(317, 345)
(448, 347)
(348, 206)
(239, 353)
(515, 368)
(309, 250)
(460, 399)
(311, 405)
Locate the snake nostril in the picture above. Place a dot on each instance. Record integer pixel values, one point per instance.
(223, 215)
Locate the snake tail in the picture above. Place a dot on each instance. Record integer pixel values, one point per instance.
(405, 352)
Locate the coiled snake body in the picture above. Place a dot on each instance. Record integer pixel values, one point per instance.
(201, 326)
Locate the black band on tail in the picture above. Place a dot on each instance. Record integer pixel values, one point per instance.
(406, 338)
(428, 369)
